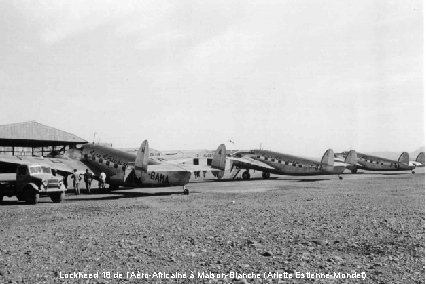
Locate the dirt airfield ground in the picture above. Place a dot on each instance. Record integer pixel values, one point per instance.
(372, 223)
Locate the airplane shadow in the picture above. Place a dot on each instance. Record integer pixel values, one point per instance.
(16, 202)
(393, 174)
(383, 174)
(117, 194)
(312, 180)
(232, 180)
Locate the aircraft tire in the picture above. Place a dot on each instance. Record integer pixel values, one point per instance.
(354, 171)
(186, 191)
(266, 175)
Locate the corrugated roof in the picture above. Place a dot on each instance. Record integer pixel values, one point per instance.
(37, 132)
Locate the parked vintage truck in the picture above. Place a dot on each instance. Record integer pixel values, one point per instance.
(30, 182)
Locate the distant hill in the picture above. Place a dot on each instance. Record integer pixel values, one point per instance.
(395, 155)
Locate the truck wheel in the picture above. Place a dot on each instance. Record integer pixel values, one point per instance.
(20, 197)
(32, 196)
(58, 197)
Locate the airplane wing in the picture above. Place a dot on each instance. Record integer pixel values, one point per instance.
(198, 168)
(251, 163)
(187, 165)
(165, 167)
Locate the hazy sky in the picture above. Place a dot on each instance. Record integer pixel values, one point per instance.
(297, 76)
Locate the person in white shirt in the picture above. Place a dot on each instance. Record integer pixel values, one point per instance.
(102, 178)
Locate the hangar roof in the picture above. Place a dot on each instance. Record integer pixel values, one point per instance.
(34, 134)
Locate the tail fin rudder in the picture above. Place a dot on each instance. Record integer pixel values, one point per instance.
(141, 162)
(351, 158)
(404, 158)
(328, 158)
(421, 158)
(219, 158)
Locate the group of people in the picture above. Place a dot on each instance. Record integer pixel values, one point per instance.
(88, 178)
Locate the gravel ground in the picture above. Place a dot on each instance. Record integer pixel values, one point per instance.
(372, 223)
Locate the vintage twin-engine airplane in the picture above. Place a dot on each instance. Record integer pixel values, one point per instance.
(282, 164)
(126, 169)
(372, 163)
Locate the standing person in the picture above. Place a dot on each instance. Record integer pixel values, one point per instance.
(76, 182)
(102, 179)
(66, 181)
(88, 180)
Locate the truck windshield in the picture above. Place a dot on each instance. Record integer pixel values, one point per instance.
(40, 170)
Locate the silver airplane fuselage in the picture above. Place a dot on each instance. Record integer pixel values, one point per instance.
(373, 163)
(119, 168)
(284, 164)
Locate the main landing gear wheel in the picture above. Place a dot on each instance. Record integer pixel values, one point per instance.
(185, 190)
(266, 175)
(340, 177)
(246, 175)
(413, 172)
